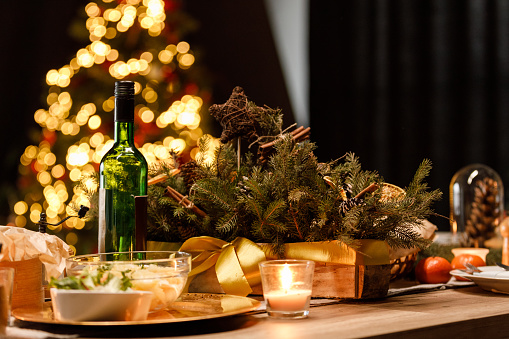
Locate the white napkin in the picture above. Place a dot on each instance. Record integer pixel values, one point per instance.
(16, 332)
(452, 283)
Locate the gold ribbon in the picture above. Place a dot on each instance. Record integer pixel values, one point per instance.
(366, 252)
(235, 263)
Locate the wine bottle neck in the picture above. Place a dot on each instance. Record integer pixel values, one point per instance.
(124, 119)
(124, 132)
(124, 109)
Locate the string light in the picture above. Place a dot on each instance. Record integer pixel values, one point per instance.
(67, 116)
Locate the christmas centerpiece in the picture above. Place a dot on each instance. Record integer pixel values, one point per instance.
(276, 200)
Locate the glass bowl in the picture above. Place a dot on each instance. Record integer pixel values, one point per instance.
(164, 273)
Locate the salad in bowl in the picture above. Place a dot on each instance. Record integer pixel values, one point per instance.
(161, 275)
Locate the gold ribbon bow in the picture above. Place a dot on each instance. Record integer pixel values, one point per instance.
(235, 263)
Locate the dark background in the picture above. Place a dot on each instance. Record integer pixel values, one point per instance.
(393, 81)
(34, 39)
(399, 81)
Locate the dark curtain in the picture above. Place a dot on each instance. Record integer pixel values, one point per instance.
(399, 81)
(234, 43)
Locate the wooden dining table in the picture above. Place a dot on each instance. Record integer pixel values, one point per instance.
(466, 312)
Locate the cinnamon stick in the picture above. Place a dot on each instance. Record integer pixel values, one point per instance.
(186, 202)
(297, 130)
(296, 134)
(162, 177)
(301, 134)
(157, 179)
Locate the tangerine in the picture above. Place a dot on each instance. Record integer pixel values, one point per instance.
(433, 270)
(459, 262)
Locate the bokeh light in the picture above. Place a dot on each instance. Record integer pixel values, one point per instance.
(59, 172)
(20, 207)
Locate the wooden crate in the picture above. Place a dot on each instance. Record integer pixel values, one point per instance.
(330, 281)
(27, 289)
(351, 281)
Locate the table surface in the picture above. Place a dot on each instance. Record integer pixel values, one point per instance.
(468, 312)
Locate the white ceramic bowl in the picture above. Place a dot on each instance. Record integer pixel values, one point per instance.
(86, 305)
(164, 273)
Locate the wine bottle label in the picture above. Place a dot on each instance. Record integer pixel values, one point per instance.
(140, 207)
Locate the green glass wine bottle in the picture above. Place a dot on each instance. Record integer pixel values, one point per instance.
(122, 179)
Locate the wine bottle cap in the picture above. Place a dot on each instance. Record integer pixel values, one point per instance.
(124, 89)
(124, 101)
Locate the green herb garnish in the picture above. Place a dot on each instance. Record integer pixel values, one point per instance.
(100, 279)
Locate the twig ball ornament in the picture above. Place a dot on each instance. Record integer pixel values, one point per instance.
(235, 116)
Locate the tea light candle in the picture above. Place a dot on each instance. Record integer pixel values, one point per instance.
(287, 299)
(287, 286)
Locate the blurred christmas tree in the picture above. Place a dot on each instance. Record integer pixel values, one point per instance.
(139, 40)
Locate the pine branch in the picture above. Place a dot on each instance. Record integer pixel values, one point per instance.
(226, 224)
(294, 198)
(293, 214)
(269, 223)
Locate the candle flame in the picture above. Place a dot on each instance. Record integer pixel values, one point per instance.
(454, 227)
(286, 277)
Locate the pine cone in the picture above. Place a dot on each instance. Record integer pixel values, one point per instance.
(348, 189)
(243, 188)
(186, 230)
(264, 154)
(484, 213)
(190, 173)
(348, 204)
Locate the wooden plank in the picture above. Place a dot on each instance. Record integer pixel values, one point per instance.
(463, 313)
(351, 281)
(439, 314)
(332, 281)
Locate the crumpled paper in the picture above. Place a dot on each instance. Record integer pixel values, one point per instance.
(23, 244)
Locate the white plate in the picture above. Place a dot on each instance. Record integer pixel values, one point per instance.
(491, 278)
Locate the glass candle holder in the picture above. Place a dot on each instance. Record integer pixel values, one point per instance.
(6, 287)
(287, 286)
